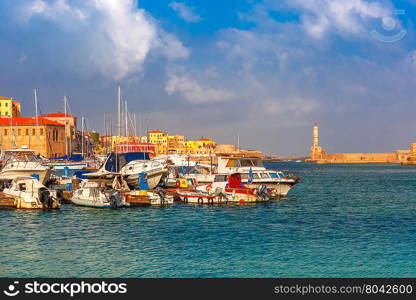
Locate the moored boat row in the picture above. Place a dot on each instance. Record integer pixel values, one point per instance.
(134, 179)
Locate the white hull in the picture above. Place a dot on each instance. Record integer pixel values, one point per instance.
(94, 203)
(277, 189)
(10, 174)
(153, 179)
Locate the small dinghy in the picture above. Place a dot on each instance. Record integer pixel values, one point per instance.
(29, 193)
(96, 193)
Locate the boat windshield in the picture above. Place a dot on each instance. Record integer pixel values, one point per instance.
(24, 156)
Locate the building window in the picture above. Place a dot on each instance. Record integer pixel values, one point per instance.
(41, 131)
(33, 131)
(27, 131)
(19, 132)
(5, 131)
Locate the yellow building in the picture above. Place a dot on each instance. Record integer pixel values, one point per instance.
(206, 143)
(44, 136)
(175, 143)
(160, 139)
(9, 108)
(108, 142)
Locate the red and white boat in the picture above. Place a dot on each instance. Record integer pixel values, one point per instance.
(225, 189)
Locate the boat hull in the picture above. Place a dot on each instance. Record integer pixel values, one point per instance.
(153, 179)
(94, 204)
(44, 175)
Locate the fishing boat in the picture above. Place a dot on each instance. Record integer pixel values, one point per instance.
(24, 163)
(200, 197)
(29, 193)
(140, 198)
(233, 189)
(96, 193)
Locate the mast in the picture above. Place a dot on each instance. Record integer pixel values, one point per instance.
(66, 129)
(36, 110)
(119, 111)
(82, 136)
(126, 124)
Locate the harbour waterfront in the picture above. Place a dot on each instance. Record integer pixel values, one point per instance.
(340, 221)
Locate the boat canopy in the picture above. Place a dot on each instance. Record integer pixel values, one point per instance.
(116, 161)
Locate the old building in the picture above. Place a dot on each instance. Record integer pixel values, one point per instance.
(9, 108)
(71, 128)
(40, 134)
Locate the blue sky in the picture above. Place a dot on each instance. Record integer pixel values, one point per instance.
(264, 70)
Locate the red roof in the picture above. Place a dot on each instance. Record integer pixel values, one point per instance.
(204, 140)
(27, 122)
(156, 131)
(58, 115)
(4, 98)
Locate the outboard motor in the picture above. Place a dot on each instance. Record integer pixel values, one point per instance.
(45, 197)
(161, 193)
(262, 192)
(114, 200)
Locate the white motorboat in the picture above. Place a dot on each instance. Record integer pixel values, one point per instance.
(253, 174)
(29, 193)
(24, 163)
(154, 170)
(96, 193)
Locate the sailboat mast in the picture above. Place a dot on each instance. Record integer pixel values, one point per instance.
(82, 136)
(119, 111)
(66, 129)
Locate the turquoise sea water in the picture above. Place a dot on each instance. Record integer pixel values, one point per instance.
(340, 221)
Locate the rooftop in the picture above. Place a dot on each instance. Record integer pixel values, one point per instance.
(27, 122)
(58, 115)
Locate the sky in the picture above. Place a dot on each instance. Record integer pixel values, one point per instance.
(260, 70)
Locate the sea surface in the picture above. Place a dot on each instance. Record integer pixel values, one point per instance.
(339, 221)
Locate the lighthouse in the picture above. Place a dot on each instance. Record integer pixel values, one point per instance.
(317, 153)
(315, 135)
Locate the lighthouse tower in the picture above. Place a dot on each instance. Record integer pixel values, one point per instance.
(317, 152)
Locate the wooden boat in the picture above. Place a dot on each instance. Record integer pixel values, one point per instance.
(140, 198)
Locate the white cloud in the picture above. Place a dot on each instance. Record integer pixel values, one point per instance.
(118, 36)
(185, 12)
(54, 10)
(345, 17)
(195, 92)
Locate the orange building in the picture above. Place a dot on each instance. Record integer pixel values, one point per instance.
(40, 134)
